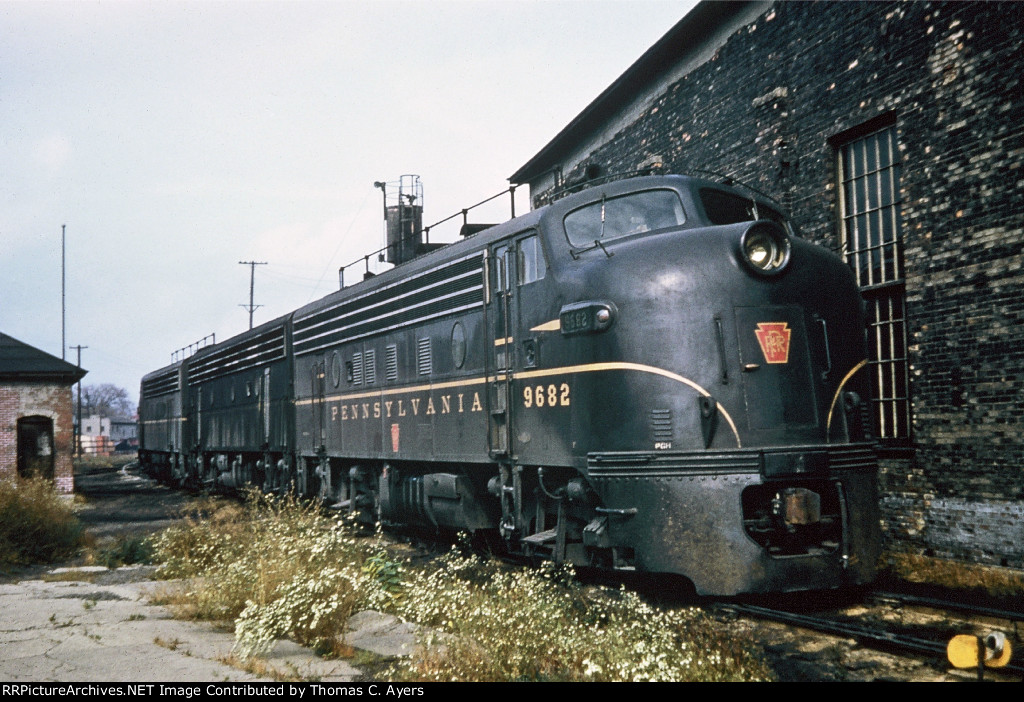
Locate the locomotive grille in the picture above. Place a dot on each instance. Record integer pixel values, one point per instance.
(852, 457)
(865, 418)
(161, 384)
(370, 366)
(245, 354)
(453, 287)
(661, 425)
(357, 369)
(391, 363)
(423, 360)
(671, 464)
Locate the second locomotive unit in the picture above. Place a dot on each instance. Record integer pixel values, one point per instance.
(653, 374)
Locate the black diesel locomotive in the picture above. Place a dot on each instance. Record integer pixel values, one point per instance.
(653, 374)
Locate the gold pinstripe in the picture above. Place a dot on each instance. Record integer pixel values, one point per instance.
(553, 325)
(622, 365)
(542, 373)
(835, 398)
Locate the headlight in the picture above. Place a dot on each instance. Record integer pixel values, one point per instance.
(765, 248)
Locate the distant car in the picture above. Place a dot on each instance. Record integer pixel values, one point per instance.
(126, 446)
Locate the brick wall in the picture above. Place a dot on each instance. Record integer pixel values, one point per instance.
(19, 400)
(767, 108)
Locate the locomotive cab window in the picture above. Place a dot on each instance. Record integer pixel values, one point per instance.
(621, 216)
(531, 260)
(726, 208)
(502, 281)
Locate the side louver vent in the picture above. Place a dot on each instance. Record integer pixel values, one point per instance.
(391, 363)
(423, 360)
(661, 425)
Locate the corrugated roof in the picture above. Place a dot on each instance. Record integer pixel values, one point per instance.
(19, 361)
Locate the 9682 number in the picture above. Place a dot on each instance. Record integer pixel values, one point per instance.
(550, 395)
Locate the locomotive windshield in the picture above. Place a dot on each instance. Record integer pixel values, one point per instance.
(620, 216)
(726, 208)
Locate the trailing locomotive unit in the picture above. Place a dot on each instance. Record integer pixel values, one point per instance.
(162, 446)
(652, 374)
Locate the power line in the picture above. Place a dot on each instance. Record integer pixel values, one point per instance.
(252, 281)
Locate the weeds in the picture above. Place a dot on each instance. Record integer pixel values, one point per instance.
(508, 625)
(996, 582)
(277, 568)
(386, 573)
(60, 624)
(103, 463)
(258, 667)
(263, 669)
(172, 645)
(68, 577)
(128, 550)
(36, 525)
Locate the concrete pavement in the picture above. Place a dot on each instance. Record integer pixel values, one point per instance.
(105, 631)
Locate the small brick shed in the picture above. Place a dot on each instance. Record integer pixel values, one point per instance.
(36, 429)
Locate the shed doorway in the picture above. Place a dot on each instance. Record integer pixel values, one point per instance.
(35, 447)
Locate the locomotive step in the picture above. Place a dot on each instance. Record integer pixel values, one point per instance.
(541, 537)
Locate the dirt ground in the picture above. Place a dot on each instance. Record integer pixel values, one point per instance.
(117, 501)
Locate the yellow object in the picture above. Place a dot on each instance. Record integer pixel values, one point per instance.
(962, 651)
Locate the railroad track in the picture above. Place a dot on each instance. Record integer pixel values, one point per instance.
(877, 637)
(948, 605)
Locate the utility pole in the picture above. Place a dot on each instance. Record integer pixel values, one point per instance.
(252, 280)
(63, 341)
(78, 433)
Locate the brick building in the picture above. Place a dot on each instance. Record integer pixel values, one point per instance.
(36, 430)
(894, 134)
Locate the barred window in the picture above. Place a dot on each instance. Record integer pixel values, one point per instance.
(870, 228)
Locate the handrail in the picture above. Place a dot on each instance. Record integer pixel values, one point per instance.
(202, 343)
(379, 253)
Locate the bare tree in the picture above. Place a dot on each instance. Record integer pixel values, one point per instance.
(107, 400)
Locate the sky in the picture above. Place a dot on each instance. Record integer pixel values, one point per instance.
(173, 140)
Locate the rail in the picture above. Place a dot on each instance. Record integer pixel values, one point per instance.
(980, 610)
(867, 635)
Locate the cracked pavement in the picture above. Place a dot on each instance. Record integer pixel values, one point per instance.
(92, 624)
(80, 631)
